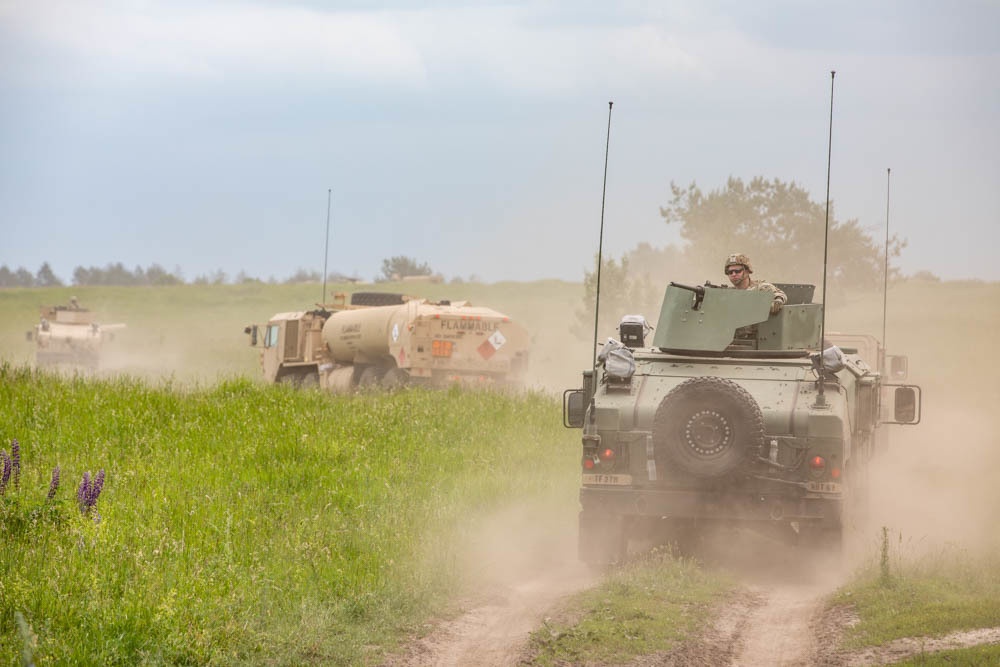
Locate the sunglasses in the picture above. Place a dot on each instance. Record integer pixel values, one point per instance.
(733, 272)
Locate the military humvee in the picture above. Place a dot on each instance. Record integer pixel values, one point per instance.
(708, 426)
(70, 335)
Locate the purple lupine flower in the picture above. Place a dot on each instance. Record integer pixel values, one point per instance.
(15, 455)
(5, 475)
(83, 493)
(98, 487)
(95, 489)
(54, 484)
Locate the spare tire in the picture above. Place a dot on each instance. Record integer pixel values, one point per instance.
(708, 427)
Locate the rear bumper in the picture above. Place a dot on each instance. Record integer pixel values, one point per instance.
(742, 505)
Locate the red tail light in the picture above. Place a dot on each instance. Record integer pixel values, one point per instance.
(835, 473)
(607, 454)
(589, 463)
(817, 463)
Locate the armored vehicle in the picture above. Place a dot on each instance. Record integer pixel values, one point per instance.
(69, 335)
(378, 339)
(733, 415)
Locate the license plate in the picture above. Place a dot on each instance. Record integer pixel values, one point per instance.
(617, 480)
(824, 487)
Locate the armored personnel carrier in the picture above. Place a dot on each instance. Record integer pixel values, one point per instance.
(733, 415)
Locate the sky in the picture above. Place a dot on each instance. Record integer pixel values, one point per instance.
(472, 135)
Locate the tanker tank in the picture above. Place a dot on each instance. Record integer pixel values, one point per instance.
(364, 335)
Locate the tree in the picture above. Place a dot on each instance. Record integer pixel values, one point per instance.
(780, 228)
(622, 293)
(304, 276)
(117, 274)
(400, 267)
(19, 278)
(46, 278)
(157, 275)
(23, 278)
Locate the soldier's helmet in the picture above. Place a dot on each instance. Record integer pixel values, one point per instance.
(738, 258)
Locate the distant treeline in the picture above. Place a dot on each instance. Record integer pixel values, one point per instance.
(154, 274)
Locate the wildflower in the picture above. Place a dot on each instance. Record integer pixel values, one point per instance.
(89, 491)
(95, 489)
(54, 484)
(5, 475)
(83, 493)
(15, 455)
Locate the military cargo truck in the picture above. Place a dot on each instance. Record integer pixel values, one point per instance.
(69, 335)
(377, 339)
(704, 427)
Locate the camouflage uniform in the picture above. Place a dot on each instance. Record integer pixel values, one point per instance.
(739, 259)
(762, 286)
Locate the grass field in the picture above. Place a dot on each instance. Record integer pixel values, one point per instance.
(249, 524)
(241, 523)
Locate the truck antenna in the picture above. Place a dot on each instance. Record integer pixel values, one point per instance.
(600, 240)
(326, 244)
(820, 396)
(885, 275)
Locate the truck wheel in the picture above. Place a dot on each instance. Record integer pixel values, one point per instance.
(309, 381)
(708, 427)
(602, 538)
(369, 377)
(395, 378)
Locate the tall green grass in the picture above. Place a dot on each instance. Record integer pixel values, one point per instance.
(911, 590)
(243, 524)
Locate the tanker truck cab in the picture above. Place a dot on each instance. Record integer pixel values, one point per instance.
(710, 427)
(290, 346)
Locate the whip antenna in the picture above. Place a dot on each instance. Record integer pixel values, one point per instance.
(885, 277)
(326, 244)
(600, 240)
(820, 396)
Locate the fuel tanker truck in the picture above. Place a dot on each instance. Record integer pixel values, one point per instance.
(390, 340)
(69, 335)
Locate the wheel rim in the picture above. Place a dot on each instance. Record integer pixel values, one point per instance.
(707, 433)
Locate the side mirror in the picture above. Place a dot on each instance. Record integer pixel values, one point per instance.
(29, 336)
(904, 405)
(252, 331)
(574, 408)
(897, 367)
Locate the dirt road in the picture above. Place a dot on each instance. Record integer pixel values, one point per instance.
(776, 619)
(767, 623)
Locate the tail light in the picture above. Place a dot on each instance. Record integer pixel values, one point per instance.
(817, 463)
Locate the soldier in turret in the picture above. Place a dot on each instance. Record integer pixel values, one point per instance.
(738, 269)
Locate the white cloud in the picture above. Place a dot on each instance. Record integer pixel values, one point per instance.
(153, 39)
(507, 47)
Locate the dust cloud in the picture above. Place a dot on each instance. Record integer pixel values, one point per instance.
(518, 563)
(936, 484)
